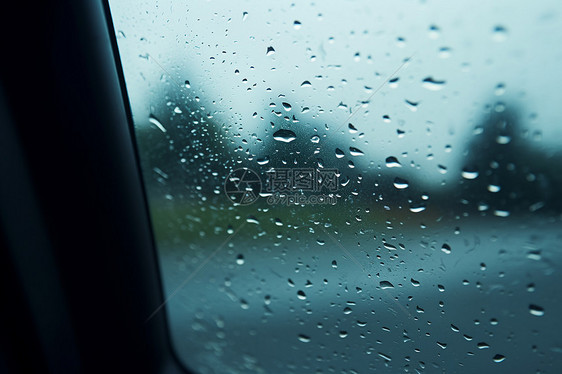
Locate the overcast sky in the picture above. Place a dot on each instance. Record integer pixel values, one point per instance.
(346, 50)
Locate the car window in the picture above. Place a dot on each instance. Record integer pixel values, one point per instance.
(352, 186)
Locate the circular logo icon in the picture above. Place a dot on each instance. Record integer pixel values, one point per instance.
(242, 186)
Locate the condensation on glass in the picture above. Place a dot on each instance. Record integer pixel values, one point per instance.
(352, 186)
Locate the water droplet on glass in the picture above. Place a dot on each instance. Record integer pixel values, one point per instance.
(536, 310)
(493, 188)
(417, 208)
(285, 136)
(499, 33)
(446, 248)
(297, 25)
(385, 285)
(499, 358)
(263, 160)
(534, 255)
(412, 105)
(306, 84)
(252, 219)
(433, 84)
(469, 174)
(355, 151)
(301, 295)
(433, 31)
(500, 89)
(392, 162)
(503, 139)
(240, 260)
(287, 106)
(501, 213)
(444, 52)
(315, 139)
(270, 51)
(339, 153)
(244, 304)
(400, 183)
(304, 338)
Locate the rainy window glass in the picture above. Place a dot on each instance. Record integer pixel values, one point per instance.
(352, 186)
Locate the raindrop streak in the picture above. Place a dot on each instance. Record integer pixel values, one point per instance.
(285, 136)
(386, 357)
(501, 213)
(156, 122)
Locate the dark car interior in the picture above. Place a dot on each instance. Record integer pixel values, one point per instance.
(79, 275)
